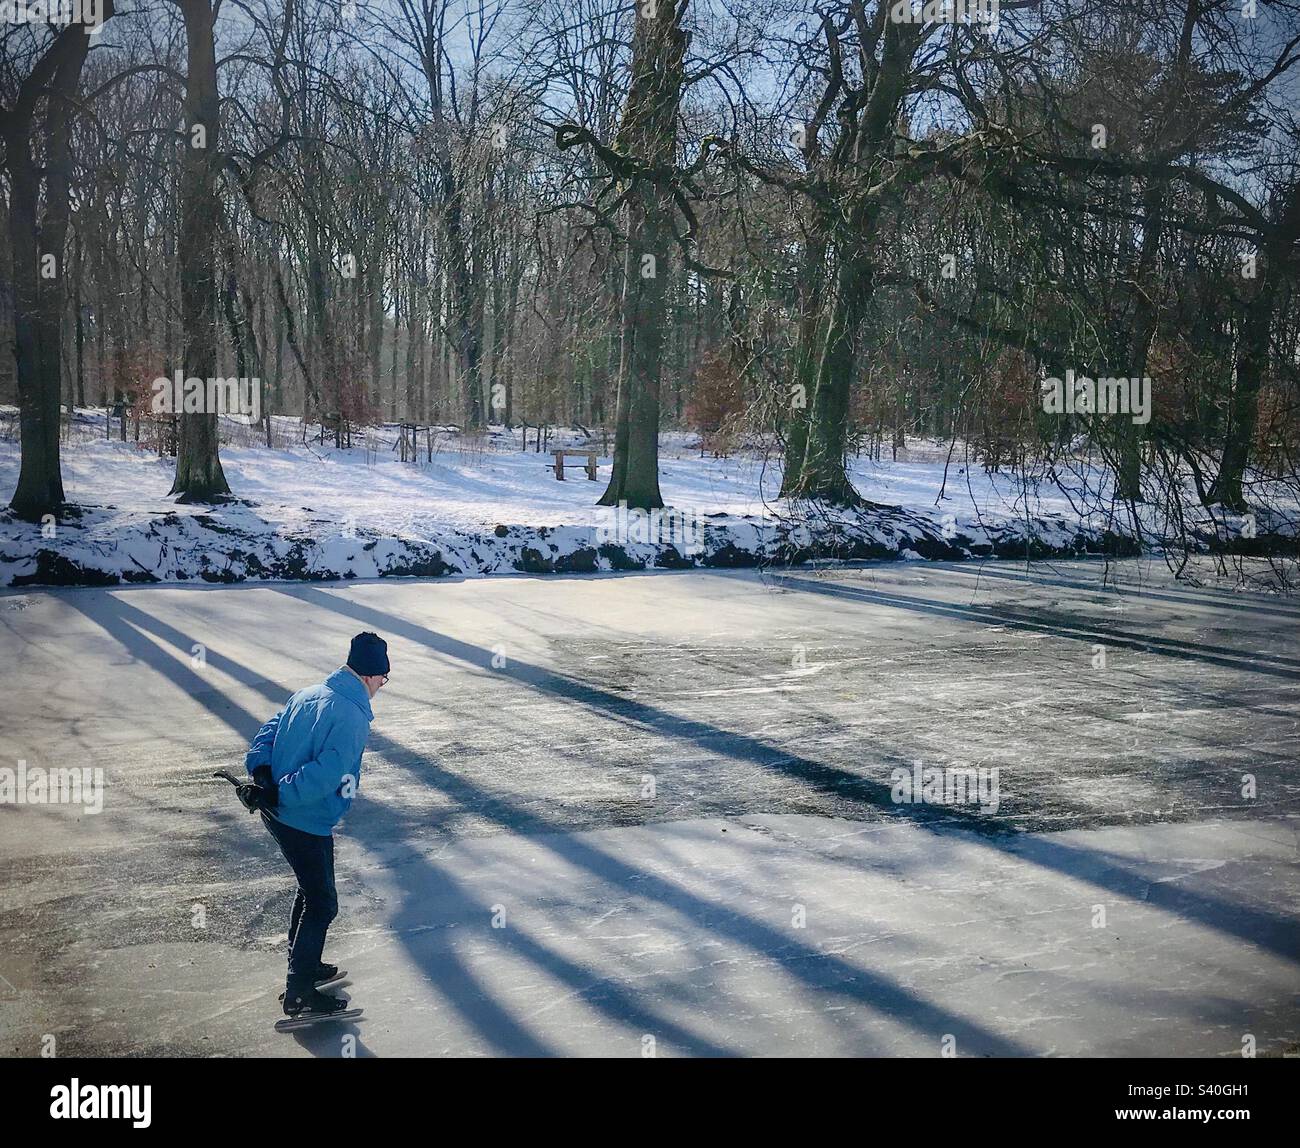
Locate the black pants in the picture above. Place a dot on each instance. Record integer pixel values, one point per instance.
(312, 860)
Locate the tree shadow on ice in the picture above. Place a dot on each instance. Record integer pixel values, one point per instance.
(1257, 925)
(1134, 592)
(450, 974)
(420, 879)
(1042, 622)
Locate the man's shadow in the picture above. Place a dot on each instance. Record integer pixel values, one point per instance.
(331, 1039)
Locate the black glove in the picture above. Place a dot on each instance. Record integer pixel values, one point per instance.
(265, 794)
(250, 796)
(263, 777)
(256, 795)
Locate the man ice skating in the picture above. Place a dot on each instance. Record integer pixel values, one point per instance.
(306, 764)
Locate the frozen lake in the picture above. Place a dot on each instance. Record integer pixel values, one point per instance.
(675, 796)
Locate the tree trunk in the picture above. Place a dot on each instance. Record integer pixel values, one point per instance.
(648, 133)
(375, 308)
(79, 270)
(1252, 358)
(38, 271)
(821, 473)
(199, 477)
(462, 297)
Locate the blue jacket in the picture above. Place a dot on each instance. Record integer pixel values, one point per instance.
(314, 747)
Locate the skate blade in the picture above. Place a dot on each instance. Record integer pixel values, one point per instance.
(293, 1023)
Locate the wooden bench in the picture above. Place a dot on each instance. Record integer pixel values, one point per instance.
(408, 441)
(558, 465)
(337, 425)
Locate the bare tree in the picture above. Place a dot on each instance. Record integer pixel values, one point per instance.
(38, 230)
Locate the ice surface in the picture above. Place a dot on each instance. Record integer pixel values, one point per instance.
(767, 898)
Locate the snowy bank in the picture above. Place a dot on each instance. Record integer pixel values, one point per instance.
(234, 543)
(306, 511)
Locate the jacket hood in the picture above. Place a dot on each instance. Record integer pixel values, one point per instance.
(346, 684)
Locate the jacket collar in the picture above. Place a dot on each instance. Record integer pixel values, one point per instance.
(345, 683)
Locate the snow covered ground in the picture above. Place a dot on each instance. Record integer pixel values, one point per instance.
(309, 511)
(674, 794)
